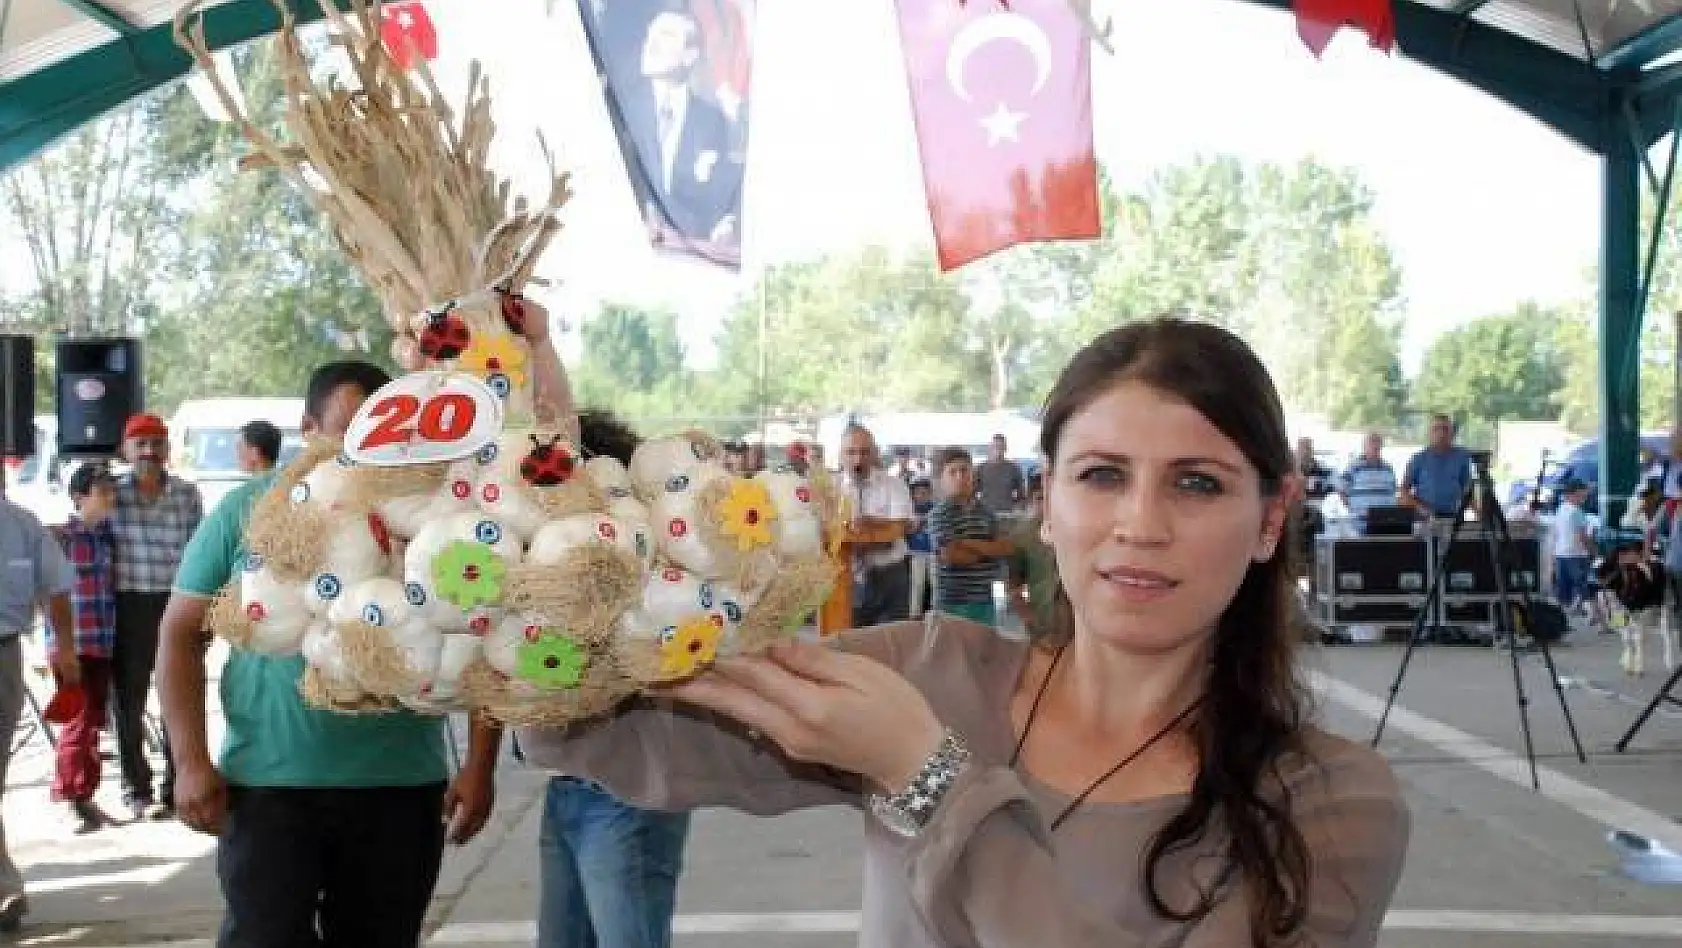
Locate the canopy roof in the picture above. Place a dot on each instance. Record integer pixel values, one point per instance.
(1571, 64)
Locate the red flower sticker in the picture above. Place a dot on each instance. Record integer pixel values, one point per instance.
(255, 612)
(678, 528)
(491, 493)
(462, 490)
(803, 494)
(606, 531)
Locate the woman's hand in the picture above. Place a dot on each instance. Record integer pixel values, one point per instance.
(825, 706)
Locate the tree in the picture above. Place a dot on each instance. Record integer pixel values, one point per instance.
(1328, 317)
(633, 363)
(141, 224)
(1503, 367)
(263, 292)
(869, 331)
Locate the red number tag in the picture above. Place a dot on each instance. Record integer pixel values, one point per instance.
(424, 418)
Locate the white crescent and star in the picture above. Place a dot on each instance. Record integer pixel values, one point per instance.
(1003, 123)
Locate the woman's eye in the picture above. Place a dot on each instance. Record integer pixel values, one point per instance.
(1101, 476)
(1197, 483)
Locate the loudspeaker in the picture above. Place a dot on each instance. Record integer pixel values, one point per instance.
(99, 386)
(17, 397)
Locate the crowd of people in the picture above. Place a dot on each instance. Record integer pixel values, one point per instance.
(1152, 566)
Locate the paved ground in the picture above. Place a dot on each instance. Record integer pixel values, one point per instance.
(1493, 864)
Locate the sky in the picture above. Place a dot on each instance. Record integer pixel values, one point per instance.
(1483, 206)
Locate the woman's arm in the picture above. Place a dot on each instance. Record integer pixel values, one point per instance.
(982, 872)
(659, 754)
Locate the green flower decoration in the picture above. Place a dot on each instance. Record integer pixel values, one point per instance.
(468, 574)
(551, 661)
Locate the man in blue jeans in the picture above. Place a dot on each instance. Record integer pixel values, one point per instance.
(608, 870)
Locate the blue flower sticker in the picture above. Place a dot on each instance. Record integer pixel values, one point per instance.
(487, 454)
(300, 493)
(327, 586)
(415, 593)
(253, 562)
(373, 614)
(732, 612)
(677, 483)
(499, 384)
(706, 595)
(488, 532)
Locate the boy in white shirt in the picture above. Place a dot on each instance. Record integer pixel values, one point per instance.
(1573, 547)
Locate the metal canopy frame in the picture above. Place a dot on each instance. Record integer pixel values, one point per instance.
(40, 108)
(1612, 103)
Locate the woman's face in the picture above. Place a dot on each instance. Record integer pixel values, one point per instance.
(1155, 517)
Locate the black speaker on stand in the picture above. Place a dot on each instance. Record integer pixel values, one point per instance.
(99, 386)
(17, 397)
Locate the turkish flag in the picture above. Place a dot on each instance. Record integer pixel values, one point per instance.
(1319, 20)
(1002, 100)
(407, 31)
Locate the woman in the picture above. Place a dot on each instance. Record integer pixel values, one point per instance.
(1141, 777)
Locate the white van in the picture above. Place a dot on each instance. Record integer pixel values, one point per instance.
(38, 483)
(204, 437)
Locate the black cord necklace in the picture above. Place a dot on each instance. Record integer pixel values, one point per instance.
(1034, 710)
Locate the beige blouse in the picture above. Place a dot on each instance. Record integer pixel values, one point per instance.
(985, 872)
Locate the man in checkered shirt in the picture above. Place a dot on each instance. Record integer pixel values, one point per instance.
(157, 513)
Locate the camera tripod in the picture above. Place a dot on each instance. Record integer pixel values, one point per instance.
(1513, 612)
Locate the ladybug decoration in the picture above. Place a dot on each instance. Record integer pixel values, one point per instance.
(548, 465)
(513, 311)
(446, 335)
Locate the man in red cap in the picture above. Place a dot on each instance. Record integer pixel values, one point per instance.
(157, 513)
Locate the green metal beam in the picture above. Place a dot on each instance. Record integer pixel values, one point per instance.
(1468, 7)
(35, 110)
(1560, 91)
(107, 17)
(1620, 321)
(1658, 40)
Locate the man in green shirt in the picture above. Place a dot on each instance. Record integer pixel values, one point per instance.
(329, 823)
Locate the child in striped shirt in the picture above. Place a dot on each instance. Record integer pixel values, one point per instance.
(966, 541)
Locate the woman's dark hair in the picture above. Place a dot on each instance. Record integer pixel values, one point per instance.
(1252, 711)
(599, 432)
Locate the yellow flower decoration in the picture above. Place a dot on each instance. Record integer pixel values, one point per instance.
(687, 648)
(495, 354)
(745, 515)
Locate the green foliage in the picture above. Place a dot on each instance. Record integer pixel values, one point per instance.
(239, 289)
(634, 364)
(143, 224)
(1505, 367)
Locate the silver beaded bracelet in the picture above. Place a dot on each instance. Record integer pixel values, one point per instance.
(909, 810)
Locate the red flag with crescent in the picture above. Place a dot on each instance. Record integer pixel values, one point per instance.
(406, 30)
(1002, 100)
(1319, 20)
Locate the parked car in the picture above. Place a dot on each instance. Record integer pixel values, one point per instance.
(1582, 462)
(205, 432)
(37, 482)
